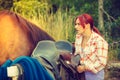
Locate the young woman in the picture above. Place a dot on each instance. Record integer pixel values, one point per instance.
(92, 48)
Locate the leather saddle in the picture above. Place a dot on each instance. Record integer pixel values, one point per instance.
(46, 53)
(68, 61)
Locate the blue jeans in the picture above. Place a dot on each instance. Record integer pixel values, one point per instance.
(92, 76)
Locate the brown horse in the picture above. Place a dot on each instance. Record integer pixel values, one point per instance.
(18, 37)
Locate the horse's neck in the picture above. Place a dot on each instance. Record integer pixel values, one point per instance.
(18, 37)
(13, 41)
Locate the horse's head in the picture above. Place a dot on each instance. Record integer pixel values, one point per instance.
(18, 36)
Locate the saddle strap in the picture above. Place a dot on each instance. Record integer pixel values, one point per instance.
(71, 71)
(54, 68)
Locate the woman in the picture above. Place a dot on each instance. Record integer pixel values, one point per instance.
(92, 48)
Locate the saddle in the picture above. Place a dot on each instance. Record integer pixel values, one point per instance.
(54, 56)
(46, 53)
(68, 61)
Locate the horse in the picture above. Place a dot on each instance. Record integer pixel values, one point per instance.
(18, 36)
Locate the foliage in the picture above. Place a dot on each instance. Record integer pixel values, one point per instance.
(57, 25)
(30, 8)
(112, 35)
(112, 27)
(78, 7)
(114, 9)
(112, 71)
(6, 4)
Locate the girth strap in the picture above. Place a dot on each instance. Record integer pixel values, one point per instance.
(52, 66)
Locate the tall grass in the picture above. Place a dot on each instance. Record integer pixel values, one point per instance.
(59, 25)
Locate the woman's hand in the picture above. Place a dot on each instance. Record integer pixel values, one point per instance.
(80, 68)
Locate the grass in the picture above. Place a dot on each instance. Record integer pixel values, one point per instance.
(58, 25)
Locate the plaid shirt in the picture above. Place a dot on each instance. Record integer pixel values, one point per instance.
(94, 55)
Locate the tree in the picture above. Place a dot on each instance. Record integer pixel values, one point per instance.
(100, 15)
(6, 4)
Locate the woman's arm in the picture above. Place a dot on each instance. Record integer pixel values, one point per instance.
(100, 57)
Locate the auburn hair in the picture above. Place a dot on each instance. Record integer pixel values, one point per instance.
(86, 18)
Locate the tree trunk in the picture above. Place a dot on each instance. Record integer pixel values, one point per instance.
(100, 15)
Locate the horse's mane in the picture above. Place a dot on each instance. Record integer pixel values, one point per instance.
(34, 33)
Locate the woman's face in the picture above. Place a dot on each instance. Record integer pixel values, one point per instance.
(79, 28)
